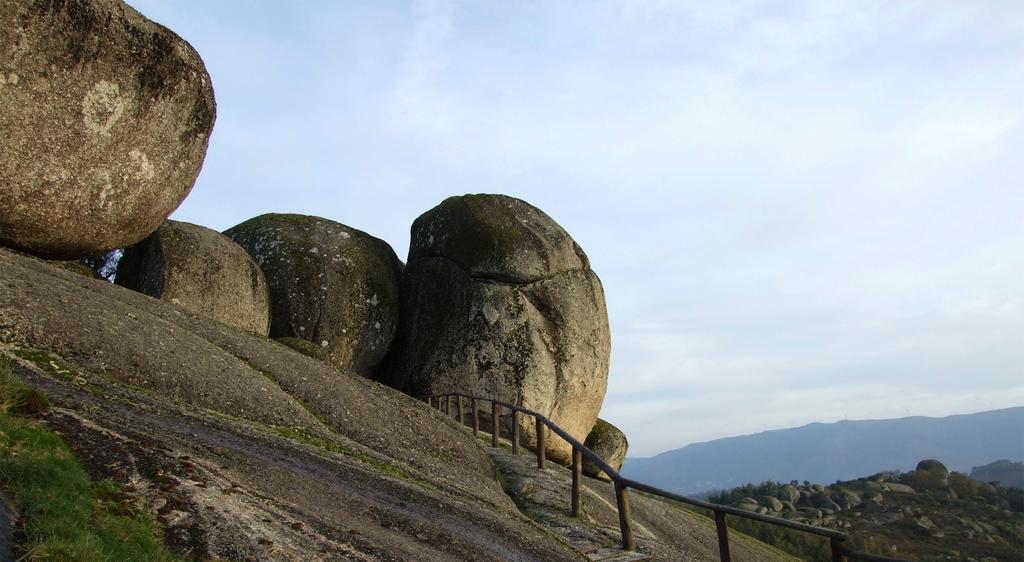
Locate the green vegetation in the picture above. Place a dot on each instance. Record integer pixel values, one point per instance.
(65, 516)
(796, 543)
(766, 488)
(16, 398)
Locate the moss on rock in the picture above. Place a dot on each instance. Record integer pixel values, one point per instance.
(331, 285)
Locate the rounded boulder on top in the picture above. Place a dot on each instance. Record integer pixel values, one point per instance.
(331, 285)
(499, 301)
(202, 271)
(610, 443)
(105, 118)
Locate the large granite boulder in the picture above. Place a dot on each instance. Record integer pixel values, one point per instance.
(773, 504)
(202, 271)
(609, 443)
(747, 504)
(105, 120)
(499, 301)
(934, 468)
(822, 501)
(330, 284)
(847, 499)
(899, 488)
(789, 493)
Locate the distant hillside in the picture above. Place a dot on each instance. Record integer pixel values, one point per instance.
(1005, 472)
(927, 514)
(844, 450)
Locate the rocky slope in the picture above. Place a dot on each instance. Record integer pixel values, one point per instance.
(924, 514)
(248, 450)
(143, 377)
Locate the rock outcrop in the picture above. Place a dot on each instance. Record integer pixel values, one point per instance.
(202, 271)
(105, 122)
(975, 521)
(1005, 472)
(331, 285)
(499, 301)
(933, 466)
(609, 443)
(245, 449)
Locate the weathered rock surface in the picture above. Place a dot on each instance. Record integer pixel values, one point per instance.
(747, 504)
(105, 122)
(898, 488)
(499, 301)
(202, 271)
(789, 493)
(822, 501)
(609, 443)
(847, 499)
(773, 504)
(330, 284)
(248, 450)
(934, 466)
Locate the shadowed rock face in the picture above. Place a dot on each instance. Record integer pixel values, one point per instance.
(105, 122)
(609, 443)
(201, 270)
(499, 301)
(332, 285)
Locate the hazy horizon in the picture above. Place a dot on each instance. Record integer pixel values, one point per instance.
(800, 211)
(634, 457)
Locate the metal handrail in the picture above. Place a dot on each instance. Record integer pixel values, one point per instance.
(622, 484)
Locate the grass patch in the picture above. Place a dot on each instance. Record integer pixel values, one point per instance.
(17, 398)
(303, 436)
(66, 516)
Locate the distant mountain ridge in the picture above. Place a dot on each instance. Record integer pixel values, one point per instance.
(826, 452)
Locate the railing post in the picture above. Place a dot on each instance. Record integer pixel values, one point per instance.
(515, 432)
(625, 517)
(458, 410)
(723, 536)
(577, 473)
(494, 424)
(837, 549)
(540, 443)
(476, 417)
(448, 405)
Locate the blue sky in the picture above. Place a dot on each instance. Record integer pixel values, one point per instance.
(801, 211)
